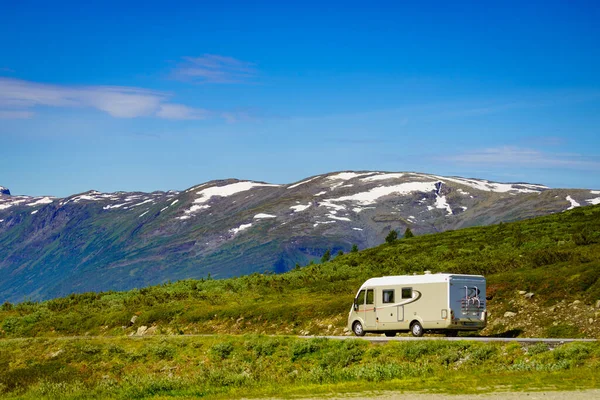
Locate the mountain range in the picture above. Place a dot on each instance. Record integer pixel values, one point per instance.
(92, 241)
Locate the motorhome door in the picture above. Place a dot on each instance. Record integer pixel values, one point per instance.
(370, 313)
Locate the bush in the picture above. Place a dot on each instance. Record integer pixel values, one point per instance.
(163, 351)
(537, 348)
(305, 347)
(391, 237)
(221, 350)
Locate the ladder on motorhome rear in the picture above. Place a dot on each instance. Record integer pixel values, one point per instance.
(472, 304)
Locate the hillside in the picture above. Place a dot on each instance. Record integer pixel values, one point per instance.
(556, 258)
(51, 247)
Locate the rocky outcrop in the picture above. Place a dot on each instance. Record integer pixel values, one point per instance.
(4, 190)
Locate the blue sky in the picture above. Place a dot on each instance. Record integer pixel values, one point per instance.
(165, 95)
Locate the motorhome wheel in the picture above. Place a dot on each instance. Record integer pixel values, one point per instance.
(416, 329)
(358, 329)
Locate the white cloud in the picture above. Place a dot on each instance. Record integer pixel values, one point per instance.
(12, 114)
(515, 156)
(179, 111)
(212, 68)
(18, 98)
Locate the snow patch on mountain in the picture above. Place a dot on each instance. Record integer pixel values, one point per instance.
(383, 177)
(332, 216)
(143, 202)
(13, 203)
(220, 191)
(240, 228)
(300, 207)
(227, 190)
(303, 182)
(488, 186)
(263, 216)
(111, 206)
(34, 212)
(322, 223)
(440, 202)
(344, 176)
(328, 204)
(594, 201)
(573, 203)
(371, 196)
(43, 200)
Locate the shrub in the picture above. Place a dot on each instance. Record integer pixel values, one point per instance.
(305, 347)
(537, 348)
(221, 350)
(391, 237)
(163, 351)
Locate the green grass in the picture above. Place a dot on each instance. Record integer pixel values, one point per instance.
(556, 257)
(256, 366)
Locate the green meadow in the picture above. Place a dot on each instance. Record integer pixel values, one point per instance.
(557, 258)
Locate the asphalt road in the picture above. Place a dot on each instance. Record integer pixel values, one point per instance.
(375, 339)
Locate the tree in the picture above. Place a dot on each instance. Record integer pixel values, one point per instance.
(354, 249)
(326, 257)
(340, 253)
(391, 237)
(408, 233)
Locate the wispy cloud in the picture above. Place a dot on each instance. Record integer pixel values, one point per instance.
(516, 156)
(212, 68)
(19, 98)
(179, 111)
(15, 114)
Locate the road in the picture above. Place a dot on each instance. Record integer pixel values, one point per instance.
(373, 339)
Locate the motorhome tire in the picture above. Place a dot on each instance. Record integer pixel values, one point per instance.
(390, 334)
(358, 329)
(416, 329)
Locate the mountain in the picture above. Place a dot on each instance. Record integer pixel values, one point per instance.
(50, 247)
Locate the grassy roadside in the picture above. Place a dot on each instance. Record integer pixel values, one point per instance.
(258, 366)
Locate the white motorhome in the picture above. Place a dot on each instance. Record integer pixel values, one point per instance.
(417, 303)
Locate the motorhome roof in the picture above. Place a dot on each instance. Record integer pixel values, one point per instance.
(413, 279)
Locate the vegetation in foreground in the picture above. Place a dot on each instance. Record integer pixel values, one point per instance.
(254, 365)
(556, 258)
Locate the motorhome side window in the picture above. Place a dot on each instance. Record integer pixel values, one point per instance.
(360, 299)
(370, 296)
(388, 296)
(407, 293)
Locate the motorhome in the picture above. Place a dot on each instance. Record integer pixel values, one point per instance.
(438, 303)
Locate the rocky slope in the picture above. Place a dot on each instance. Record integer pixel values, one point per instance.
(95, 241)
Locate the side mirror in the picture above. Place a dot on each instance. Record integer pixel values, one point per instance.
(355, 305)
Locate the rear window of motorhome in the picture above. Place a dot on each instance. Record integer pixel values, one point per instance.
(407, 293)
(370, 296)
(388, 296)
